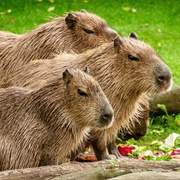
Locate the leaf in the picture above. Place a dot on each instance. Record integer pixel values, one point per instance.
(50, 9)
(163, 107)
(126, 8)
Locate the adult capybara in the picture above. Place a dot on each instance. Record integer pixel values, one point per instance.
(127, 69)
(77, 32)
(41, 126)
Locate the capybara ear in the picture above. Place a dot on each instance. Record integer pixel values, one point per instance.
(71, 20)
(86, 70)
(67, 76)
(84, 11)
(133, 35)
(117, 44)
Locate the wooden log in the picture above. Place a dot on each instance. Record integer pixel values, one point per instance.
(170, 99)
(41, 173)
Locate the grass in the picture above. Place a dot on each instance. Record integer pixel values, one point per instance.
(155, 21)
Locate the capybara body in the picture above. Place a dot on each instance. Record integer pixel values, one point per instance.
(139, 127)
(41, 126)
(7, 37)
(77, 32)
(127, 69)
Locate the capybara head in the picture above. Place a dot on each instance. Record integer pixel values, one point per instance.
(88, 29)
(140, 67)
(85, 98)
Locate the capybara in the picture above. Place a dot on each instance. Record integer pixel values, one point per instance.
(127, 69)
(77, 32)
(41, 126)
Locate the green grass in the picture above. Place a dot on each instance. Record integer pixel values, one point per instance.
(155, 21)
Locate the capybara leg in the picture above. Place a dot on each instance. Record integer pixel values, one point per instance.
(99, 149)
(113, 150)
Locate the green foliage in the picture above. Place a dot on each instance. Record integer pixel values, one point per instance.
(177, 142)
(160, 128)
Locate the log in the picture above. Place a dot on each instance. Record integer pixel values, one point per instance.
(49, 172)
(170, 99)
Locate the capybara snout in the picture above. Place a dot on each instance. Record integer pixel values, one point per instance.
(107, 116)
(163, 78)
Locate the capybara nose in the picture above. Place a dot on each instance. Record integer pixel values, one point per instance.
(165, 80)
(107, 116)
(161, 79)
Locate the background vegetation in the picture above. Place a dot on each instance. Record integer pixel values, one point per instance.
(155, 21)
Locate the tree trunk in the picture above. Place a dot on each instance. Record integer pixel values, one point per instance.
(170, 99)
(49, 172)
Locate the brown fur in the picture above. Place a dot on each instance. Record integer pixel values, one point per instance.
(8, 37)
(127, 69)
(78, 32)
(42, 126)
(139, 127)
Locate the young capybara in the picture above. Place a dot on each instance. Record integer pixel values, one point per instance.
(41, 126)
(77, 32)
(127, 69)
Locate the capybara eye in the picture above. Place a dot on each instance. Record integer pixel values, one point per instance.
(133, 58)
(82, 93)
(88, 31)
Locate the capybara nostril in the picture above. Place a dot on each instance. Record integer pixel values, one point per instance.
(161, 79)
(107, 117)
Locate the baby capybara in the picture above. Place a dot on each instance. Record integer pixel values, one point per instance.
(41, 126)
(127, 69)
(76, 32)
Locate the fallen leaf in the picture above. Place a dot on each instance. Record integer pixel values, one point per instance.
(50, 9)
(9, 11)
(126, 8)
(133, 10)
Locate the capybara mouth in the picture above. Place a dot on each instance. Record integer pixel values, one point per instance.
(106, 124)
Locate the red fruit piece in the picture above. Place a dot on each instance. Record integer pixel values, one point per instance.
(175, 152)
(125, 150)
